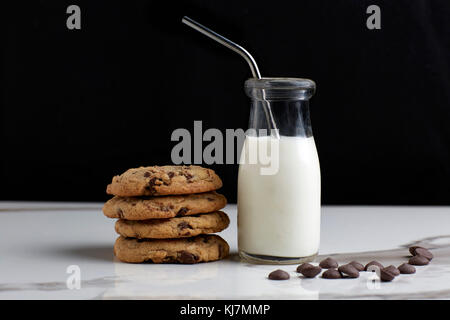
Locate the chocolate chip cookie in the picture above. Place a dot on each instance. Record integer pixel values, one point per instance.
(178, 227)
(164, 180)
(201, 248)
(163, 207)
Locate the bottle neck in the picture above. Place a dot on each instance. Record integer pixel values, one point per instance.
(291, 117)
(282, 104)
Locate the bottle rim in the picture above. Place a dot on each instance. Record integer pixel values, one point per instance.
(281, 83)
(278, 88)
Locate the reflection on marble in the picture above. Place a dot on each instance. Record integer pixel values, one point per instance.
(232, 279)
(53, 237)
(227, 279)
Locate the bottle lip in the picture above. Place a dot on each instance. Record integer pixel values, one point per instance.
(274, 88)
(281, 83)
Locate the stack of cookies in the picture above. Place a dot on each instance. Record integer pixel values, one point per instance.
(167, 214)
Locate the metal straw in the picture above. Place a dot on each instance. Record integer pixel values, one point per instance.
(226, 42)
(240, 50)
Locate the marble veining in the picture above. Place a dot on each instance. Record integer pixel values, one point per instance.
(104, 282)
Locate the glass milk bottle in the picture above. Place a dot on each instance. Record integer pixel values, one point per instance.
(279, 175)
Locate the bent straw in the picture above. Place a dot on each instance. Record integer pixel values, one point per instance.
(241, 51)
(226, 42)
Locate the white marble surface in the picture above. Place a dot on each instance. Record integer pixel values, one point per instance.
(38, 241)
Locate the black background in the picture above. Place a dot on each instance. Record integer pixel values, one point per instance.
(79, 106)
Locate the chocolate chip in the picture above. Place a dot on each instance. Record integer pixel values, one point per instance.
(418, 261)
(147, 174)
(328, 263)
(171, 174)
(182, 211)
(188, 176)
(331, 274)
(349, 271)
(187, 257)
(373, 263)
(279, 275)
(424, 253)
(357, 265)
(406, 268)
(386, 275)
(184, 225)
(412, 250)
(120, 213)
(421, 251)
(311, 271)
(169, 259)
(221, 251)
(393, 270)
(150, 186)
(303, 266)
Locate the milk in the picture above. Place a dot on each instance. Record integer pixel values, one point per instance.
(279, 214)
